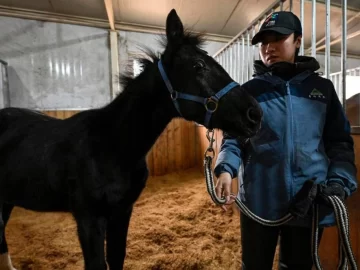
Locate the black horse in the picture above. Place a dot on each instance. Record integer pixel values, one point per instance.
(93, 164)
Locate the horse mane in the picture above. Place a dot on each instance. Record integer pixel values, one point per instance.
(151, 57)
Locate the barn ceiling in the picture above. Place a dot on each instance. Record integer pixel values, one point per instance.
(221, 19)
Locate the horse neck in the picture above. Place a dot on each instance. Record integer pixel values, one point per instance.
(140, 114)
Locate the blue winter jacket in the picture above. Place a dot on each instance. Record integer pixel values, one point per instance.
(304, 134)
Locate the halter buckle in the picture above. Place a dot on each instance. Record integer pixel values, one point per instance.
(174, 95)
(213, 103)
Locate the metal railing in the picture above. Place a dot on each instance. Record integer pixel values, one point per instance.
(336, 79)
(238, 55)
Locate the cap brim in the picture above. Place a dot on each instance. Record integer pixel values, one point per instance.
(281, 30)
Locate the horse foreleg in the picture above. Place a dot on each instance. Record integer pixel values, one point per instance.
(5, 260)
(91, 231)
(116, 236)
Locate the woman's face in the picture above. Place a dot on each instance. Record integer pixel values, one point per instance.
(278, 48)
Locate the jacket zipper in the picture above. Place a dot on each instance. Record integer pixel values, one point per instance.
(291, 137)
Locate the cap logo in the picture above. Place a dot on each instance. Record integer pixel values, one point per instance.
(271, 19)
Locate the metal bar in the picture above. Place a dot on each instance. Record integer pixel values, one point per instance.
(352, 35)
(114, 53)
(238, 60)
(313, 30)
(227, 60)
(4, 85)
(243, 60)
(273, 5)
(281, 6)
(348, 21)
(291, 5)
(235, 61)
(231, 61)
(248, 56)
(327, 40)
(258, 45)
(252, 52)
(336, 82)
(302, 3)
(343, 50)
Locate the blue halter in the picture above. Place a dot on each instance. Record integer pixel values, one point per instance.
(213, 100)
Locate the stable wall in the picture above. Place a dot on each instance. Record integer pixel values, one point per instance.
(63, 69)
(55, 66)
(63, 66)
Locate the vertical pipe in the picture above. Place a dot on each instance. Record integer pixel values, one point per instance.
(227, 60)
(343, 50)
(327, 40)
(248, 56)
(235, 60)
(258, 45)
(291, 5)
(302, 25)
(231, 61)
(313, 31)
(4, 85)
(238, 61)
(243, 59)
(252, 51)
(281, 6)
(114, 54)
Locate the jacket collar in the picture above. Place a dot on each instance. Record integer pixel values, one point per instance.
(285, 71)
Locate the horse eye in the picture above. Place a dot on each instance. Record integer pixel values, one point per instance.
(199, 64)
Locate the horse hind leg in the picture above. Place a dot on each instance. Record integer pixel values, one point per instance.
(5, 260)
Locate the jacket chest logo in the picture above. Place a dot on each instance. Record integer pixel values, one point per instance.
(316, 94)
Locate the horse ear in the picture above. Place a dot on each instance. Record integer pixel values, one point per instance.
(174, 28)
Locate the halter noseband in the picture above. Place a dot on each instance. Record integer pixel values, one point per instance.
(210, 103)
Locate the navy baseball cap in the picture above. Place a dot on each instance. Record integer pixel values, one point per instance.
(282, 22)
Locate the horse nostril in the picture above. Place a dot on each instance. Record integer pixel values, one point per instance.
(253, 115)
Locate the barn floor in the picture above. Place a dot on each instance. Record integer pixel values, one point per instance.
(174, 225)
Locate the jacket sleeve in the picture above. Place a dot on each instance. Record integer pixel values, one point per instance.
(229, 158)
(339, 146)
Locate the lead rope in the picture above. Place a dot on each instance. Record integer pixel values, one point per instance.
(341, 214)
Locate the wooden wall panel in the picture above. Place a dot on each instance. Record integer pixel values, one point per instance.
(174, 150)
(328, 251)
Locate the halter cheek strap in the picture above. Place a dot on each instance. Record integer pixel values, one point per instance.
(210, 103)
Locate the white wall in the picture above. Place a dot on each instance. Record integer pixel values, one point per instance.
(64, 66)
(55, 66)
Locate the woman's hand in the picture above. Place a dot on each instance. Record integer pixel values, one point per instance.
(223, 189)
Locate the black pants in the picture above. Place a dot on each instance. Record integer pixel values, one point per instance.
(258, 243)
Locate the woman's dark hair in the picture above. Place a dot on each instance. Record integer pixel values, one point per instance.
(296, 35)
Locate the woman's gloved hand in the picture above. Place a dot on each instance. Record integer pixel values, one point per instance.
(330, 189)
